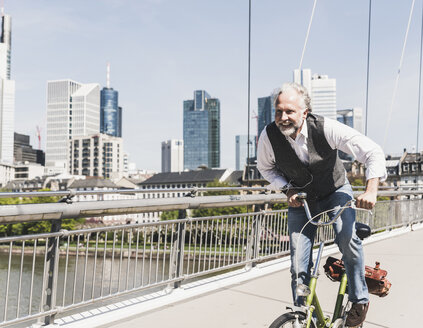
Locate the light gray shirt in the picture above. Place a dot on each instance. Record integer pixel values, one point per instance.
(339, 136)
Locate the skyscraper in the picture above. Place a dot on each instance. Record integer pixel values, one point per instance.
(7, 92)
(241, 150)
(110, 112)
(322, 90)
(201, 131)
(73, 110)
(173, 156)
(266, 113)
(353, 117)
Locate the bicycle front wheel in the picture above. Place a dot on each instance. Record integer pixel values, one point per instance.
(338, 323)
(290, 320)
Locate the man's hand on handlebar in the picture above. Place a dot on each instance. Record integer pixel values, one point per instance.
(291, 195)
(368, 199)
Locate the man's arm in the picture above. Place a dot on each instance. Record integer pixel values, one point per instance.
(365, 150)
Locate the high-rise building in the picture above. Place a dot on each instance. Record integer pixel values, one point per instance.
(23, 151)
(7, 92)
(110, 112)
(201, 131)
(322, 91)
(353, 117)
(98, 155)
(266, 113)
(173, 156)
(73, 110)
(241, 150)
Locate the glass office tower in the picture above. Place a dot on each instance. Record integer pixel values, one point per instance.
(201, 131)
(111, 113)
(266, 113)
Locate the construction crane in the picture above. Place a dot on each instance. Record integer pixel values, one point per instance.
(39, 136)
(255, 117)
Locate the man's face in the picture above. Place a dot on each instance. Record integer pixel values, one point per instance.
(289, 115)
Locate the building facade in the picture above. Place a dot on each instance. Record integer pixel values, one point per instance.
(241, 150)
(353, 117)
(201, 126)
(173, 155)
(322, 91)
(23, 151)
(98, 155)
(73, 110)
(7, 93)
(110, 113)
(157, 184)
(266, 112)
(28, 171)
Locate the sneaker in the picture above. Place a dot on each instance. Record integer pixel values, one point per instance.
(356, 314)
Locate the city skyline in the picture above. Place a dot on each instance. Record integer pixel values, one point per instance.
(156, 64)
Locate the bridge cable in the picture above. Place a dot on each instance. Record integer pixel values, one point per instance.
(368, 65)
(420, 86)
(249, 93)
(306, 39)
(398, 74)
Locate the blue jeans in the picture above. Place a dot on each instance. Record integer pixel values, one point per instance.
(349, 244)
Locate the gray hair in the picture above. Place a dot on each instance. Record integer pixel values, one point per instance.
(301, 91)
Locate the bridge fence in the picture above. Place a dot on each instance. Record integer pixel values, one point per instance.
(44, 275)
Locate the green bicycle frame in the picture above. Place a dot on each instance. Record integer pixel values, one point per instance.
(312, 302)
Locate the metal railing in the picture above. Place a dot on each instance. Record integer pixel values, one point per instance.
(48, 274)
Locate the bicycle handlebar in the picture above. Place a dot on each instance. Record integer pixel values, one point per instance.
(301, 196)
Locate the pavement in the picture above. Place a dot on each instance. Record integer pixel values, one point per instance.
(257, 302)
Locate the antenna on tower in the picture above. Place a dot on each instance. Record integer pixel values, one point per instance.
(108, 76)
(2, 8)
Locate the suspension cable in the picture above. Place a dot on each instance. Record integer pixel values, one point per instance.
(368, 65)
(249, 96)
(398, 74)
(420, 87)
(306, 39)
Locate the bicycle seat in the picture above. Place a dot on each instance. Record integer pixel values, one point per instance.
(362, 230)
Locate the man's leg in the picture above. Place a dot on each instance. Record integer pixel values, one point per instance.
(352, 255)
(301, 249)
(350, 246)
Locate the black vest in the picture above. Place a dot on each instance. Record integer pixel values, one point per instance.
(325, 172)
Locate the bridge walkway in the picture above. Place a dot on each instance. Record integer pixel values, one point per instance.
(256, 303)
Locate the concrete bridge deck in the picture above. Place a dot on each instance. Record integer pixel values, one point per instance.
(258, 301)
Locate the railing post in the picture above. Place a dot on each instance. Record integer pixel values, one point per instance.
(182, 214)
(255, 234)
(52, 265)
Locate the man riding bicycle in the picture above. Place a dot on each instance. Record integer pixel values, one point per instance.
(299, 152)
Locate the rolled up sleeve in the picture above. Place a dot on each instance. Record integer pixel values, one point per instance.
(362, 148)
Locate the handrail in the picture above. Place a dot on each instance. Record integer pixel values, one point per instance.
(192, 190)
(83, 209)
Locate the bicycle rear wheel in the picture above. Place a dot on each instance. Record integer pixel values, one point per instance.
(288, 320)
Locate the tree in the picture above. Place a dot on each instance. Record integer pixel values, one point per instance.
(33, 227)
(219, 211)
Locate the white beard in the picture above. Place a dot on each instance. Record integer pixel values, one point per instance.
(288, 130)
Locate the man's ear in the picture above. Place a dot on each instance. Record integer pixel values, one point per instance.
(305, 113)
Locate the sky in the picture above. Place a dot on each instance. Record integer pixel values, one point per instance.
(160, 51)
